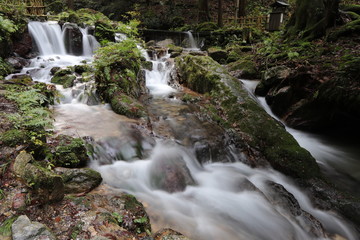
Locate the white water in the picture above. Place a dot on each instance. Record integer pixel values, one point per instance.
(48, 37)
(336, 160)
(157, 78)
(222, 205)
(90, 45)
(193, 45)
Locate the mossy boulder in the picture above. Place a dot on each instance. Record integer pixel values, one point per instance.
(47, 185)
(254, 127)
(127, 106)
(68, 152)
(218, 54)
(271, 77)
(79, 180)
(116, 75)
(23, 79)
(67, 80)
(79, 69)
(246, 69)
(206, 27)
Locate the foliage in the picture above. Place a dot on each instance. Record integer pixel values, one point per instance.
(33, 115)
(5, 227)
(5, 69)
(6, 27)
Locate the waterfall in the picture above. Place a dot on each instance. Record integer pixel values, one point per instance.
(50, 39)
(89, 42)
(192, 42)
(47, 36)
(157, 78)
(223, 201)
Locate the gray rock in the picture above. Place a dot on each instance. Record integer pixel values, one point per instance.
(20, 163)
(165, 43)
(79, 180)
(170, 173)
(24, 229)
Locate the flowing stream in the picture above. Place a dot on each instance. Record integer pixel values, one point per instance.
(222, 200)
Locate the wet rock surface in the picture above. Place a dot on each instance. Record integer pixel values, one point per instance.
(24, 229)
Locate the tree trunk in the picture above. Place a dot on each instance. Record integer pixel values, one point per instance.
(204, 15)
(240, 8)
(220, 13)
(312, 18)
(70, 4)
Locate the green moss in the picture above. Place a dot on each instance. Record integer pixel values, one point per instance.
(255, 128)
(206, 26)
(69, 152)
(67, 80)
(127, 106)
(248, 68)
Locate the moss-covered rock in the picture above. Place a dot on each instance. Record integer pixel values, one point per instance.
(79, 180)
(24, 79)
(350, 29)
(127, 106)
(254, 127)
(68, 152)
(218, 54)
(117, 68)
(67, 80)
(47, 185)
(247, 69)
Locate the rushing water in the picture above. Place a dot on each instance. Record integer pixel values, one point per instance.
(223, 200)
(338, 158)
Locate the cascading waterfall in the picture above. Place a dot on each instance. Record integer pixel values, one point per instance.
(157, 78)
(220, 201)
(47, 36)
(337, 161)
(89, 42)
(193, 45)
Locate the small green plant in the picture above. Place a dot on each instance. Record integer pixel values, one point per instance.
(2, 194)
(5, 227)
(119, 218)
(293, 55)
(141, 220)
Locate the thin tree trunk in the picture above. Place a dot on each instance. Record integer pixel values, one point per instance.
(220, 14)
(204, 15)
(70, 4)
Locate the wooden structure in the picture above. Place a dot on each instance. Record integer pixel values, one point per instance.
(33, 7)
(350, 2)
(249, 21)
(277, 15)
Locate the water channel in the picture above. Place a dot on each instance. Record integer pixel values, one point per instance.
(222, 200)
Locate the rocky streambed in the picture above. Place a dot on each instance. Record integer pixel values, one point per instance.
(202, 153)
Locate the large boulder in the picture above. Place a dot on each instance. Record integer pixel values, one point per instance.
(63, 77)
(218, 55)
(79, 180)
(252, 123)
(24, 229)
(47, 185)
(244, 68)
(117, 77)
(73, 39)
(68, 151)
(270, 77)
(23, 45)
(170, 173)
